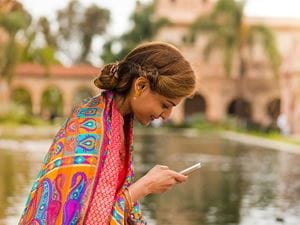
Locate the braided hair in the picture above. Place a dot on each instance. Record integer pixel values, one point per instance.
(167, 71)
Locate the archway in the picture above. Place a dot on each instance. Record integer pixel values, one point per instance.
(240, 108)
(52, 103)
(22, 99)
(194, 106)
(273, 109)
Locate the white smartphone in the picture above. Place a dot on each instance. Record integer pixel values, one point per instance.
(190, 169)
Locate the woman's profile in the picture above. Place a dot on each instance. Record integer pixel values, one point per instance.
(87, 175)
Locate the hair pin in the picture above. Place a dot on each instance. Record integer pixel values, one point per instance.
(114, 70)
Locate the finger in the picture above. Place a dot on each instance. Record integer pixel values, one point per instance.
(172, 182)
(180, 181)
(178, 176)
(163, 167)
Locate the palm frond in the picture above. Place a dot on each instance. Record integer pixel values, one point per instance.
(13, 22)
(228, 58)
(215, 42)
(268, 43)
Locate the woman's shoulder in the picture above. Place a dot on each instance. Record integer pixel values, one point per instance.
(90, 106)
(95, 101)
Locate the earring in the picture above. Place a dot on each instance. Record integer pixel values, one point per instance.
(136, 94)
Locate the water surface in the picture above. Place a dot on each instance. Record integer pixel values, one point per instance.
(237, 185)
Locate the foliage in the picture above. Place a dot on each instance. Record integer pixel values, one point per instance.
(19, 46)
(78, 27)
(21, 97)
(52, 102)
(39, 43)
(44, 54)
(144, 28)
(18, 115)
(227, 31)
(11, 23)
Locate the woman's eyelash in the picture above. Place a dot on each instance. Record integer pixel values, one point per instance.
(165, 106)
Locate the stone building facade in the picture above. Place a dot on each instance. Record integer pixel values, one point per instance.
(216, 94)
(261, 91)
(36, 80)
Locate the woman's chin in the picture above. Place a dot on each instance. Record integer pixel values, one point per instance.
(144, 123)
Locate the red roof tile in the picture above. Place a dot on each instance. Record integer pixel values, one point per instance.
(57, 70)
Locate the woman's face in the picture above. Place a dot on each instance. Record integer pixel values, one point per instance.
(148, 105)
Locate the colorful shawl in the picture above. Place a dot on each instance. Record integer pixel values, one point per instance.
(78, 181)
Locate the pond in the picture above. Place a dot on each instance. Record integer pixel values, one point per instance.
(237, 184)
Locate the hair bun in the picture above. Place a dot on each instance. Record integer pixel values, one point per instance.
(108, 77)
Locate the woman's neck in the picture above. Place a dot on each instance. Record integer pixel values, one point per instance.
(122, 104)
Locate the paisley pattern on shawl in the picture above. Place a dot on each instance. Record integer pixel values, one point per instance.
(80, 152)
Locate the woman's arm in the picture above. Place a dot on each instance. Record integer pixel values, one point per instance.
(158, 180)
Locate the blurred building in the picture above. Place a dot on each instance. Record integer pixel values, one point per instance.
(33, 84)
(290, 87)
(216, 94)
(261, 96)
(69, 83)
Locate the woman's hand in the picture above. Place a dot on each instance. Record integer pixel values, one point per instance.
(158, 180)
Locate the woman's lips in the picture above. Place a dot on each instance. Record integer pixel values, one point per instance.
(153, 118)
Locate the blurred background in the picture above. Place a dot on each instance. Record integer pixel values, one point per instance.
(243, 121)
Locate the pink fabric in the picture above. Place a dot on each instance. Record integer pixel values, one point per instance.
(112, 176)
(123, 156)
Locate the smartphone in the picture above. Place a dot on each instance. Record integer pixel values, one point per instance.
(191, 169)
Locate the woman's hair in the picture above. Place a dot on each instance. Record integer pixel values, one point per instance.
(168, 72)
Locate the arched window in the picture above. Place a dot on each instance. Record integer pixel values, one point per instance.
(194, 105)
(240, 108)
(22, 99)
(52, 103)
(273, 109)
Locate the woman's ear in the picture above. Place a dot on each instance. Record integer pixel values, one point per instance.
(141, 84)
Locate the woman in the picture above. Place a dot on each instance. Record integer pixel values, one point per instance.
(87, 175)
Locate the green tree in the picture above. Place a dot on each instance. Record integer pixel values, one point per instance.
(52, 103)
(44, 27)
(11, 23)
(44, 54)
(228, 32)
(78, 27)
(94, 23)
(20, 46)
(144, 28)
(22, 99)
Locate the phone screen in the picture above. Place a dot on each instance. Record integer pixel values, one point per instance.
(191, 169)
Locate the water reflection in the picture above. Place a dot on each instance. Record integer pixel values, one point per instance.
(15, 175)
(238, 184)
